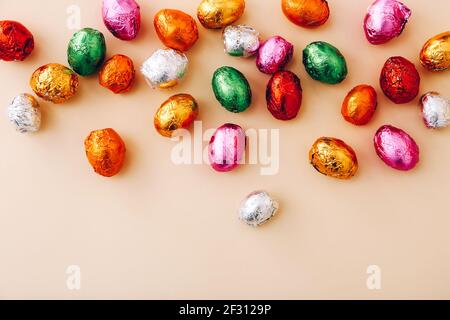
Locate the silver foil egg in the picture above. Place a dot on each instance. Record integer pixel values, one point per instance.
(257, 208)
(24, 113)
(241, 41)
(435, 110)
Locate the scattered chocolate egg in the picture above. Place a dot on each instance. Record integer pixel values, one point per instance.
(117, 74)
(435, 54)
(257, 208)
(435, 110)
(122, 18)
(16, 41)
(359, 105)
(274, 55)
(226, 148)
(86, 51)
(217, 14)
(306, 13)
(284, 95)
(241, 41)
(24, 113)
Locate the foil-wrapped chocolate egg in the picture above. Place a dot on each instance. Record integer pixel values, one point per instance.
(359, 105)
(217, 14)
(284, 95)
(226, 148)
(400, 80)
(178, 112)
(385, 20)
(306, 13)
(176, 29)
(165, 68)
(396, 148)
(257, 208)
(105, 151)
(435, 54)
(122, 18)
(274, 54)
(324, 63)
(117, 74)
(241, 41)
(334, 158)
(435, 110)
(54, 82)
(24, 113)
(232, 89)
(16, 41)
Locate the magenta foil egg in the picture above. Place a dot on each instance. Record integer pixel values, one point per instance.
(274, 55)
(227, 147)
(385, 20)
(122, 18)
(396, 148)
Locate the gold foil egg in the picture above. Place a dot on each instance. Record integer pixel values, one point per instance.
(217, 14)
(178, 112)
(435, 54)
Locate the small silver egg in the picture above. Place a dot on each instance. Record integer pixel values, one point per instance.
(241, 41)
(257, 208)
(435, 110)
(24, 113)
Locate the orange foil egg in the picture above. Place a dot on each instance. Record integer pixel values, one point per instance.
(306, 13)
(176, 29)
(359, 105)
(117, 74)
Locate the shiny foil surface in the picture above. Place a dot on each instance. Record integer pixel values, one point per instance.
(400, 80)
(178, 112)
(226, 148)
(16, 41)
(86, 51)
(435, 54)
(435, 110)
(334, 158)
(385, 20)
(105, 151)
(396, 148)
(241, 41)
(54, 82)
(284, 95)
(122, 18)
(257, 208)
(359, 105)
(24, 113)
(274, 55)
(117, 74)
(176, 29)
(306, 13)
(217, 14)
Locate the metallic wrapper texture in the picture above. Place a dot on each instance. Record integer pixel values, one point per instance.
(257, 208)
(176, 29)
(274, 55)
(306, 13)
(435, 54)
(16, 41)
(396, 148)
(232, 89)
(334, 158)
(86, 51)
(359, 105)
(217, 14)
(385, 20)
(24, 113)
(284, 95)
(435, 110)
(226, 148)
(105, 151)
(178, 112)
(117, 74)
(54, 82)
(241, 41)
(122, 18)
(400, 80)
(164, 68)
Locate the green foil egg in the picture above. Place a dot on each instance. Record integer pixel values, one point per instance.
(324, 62)
(86, 51)
(232, 89)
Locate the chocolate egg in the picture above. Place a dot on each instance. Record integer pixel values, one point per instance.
(435, 54)
(86, 51)
(232, 89)
(306, 13)
(284, 95)
(226, 148)
(241, 41)
(217, 14)
(399, 80)
(105, 151)
(54, 82)
(334, 158)
(435, 110)
(122, 18)
(178, 112)
(359, 105)
(24, 113)
(257, 208)
(396, 148)
(176, 29)
(274, 55)
(16, 41)
(117, 74)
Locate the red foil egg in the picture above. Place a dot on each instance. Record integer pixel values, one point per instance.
(16, 41)
(284, 95)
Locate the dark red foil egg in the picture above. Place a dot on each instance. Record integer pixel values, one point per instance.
(16, 41)
(284, 95)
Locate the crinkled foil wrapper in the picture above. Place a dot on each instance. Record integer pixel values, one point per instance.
(435, 54)
(122, 18)
(241, 41)
(217, 14)
(16, 41)
(274, 54)
(117, 74)
(307, 14)
(257, 208)
(24, 113)
(435, 110)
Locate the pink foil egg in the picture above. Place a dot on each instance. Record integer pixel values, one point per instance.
(274, 55)
(227, 147)
(122, 18)
(385, 20)
(396, 148)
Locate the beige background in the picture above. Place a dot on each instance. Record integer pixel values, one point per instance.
(164, 231)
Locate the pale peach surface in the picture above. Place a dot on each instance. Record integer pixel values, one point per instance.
(159, 230)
